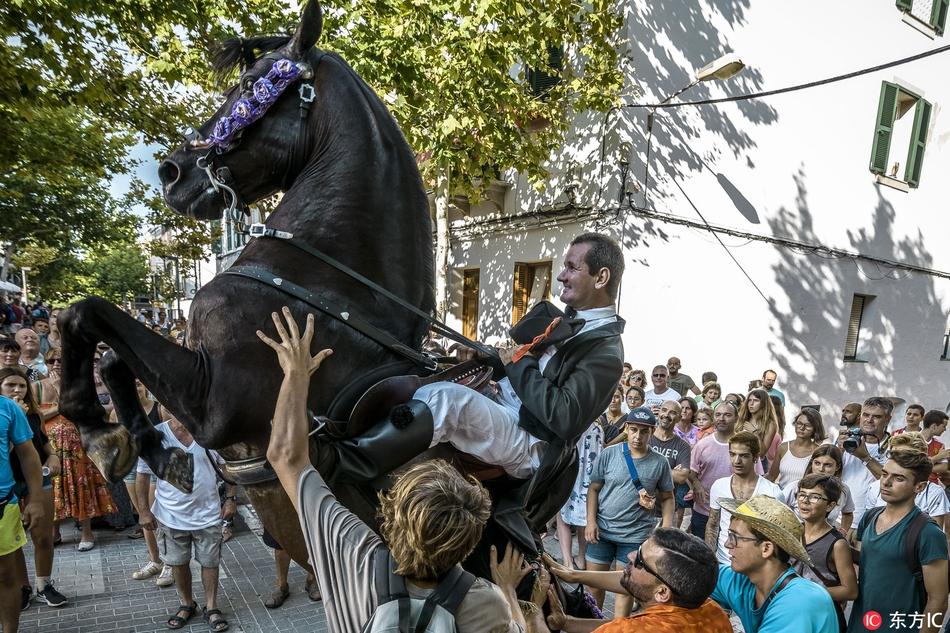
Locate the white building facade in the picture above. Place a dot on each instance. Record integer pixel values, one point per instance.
(823, 263)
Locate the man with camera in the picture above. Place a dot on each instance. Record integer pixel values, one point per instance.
(869, 439)
(865, 449)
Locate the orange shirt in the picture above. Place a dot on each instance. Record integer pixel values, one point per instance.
(708, 618)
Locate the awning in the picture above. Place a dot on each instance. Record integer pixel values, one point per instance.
(8, 287)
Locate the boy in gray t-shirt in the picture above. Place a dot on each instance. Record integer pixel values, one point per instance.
(620, 513)
(620, 517)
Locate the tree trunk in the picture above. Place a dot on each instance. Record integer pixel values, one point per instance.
(442, 244)
(7, 258)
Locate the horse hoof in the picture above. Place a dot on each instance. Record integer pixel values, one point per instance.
(112, 449)
(179, 471)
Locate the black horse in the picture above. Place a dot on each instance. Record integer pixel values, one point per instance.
(351, 189)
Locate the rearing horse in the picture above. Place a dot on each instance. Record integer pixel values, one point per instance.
(351, 189)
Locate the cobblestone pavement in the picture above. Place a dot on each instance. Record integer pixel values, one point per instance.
(103, 597)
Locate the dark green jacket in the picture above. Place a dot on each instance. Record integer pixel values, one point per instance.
(558, 406)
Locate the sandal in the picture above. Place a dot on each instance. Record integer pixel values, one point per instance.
(177, 621)
(277, 597)
(217, 625)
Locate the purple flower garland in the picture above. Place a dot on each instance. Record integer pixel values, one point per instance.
(247, 110)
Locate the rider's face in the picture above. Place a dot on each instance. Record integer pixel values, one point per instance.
(580, 288)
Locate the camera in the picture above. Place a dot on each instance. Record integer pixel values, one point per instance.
(852, 438)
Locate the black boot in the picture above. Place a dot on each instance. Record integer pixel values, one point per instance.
(386, 446)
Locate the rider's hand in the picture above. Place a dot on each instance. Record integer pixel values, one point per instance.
(293, 351)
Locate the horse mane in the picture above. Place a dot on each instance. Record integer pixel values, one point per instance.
(243, 52)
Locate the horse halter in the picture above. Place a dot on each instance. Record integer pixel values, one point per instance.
(250, 108)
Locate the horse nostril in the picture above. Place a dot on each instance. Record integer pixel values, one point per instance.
(168, 173)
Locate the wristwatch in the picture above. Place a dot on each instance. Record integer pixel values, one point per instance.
(229, 498)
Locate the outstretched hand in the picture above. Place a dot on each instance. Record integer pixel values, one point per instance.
(510, 570)
(293, 350)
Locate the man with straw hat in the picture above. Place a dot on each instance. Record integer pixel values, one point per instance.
(759, 584)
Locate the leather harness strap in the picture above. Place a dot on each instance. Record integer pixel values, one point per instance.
(259, 230)
(354, 321)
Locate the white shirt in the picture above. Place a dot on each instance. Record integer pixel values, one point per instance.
(722, 489)
(856, 476)
(653, 398)
(180, 511)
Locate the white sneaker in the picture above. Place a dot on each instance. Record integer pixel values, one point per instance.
(165, 579)
(147, 571)
(85, 546)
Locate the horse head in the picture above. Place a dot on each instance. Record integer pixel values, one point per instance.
(258, 139)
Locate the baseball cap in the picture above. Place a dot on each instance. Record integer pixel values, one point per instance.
(641, 415)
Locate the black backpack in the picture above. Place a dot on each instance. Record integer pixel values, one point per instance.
(911, 539)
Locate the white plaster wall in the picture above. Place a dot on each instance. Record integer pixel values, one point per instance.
(793, 165)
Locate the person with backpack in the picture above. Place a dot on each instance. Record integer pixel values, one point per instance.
(431, 520)
(903, 554)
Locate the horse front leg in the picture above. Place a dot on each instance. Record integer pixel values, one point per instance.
(170, 464)
(173, 373)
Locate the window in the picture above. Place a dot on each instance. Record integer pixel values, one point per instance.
(933, 13)
(532, 283)
(540, 82)
(895, 126)
(470, 304)
(857, 329)
(945, 355)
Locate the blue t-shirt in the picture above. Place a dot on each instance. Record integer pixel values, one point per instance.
(800, 607)
(885, 581)
(620, 517)
(14, 429)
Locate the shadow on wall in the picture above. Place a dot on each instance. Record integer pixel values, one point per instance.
(693, 29)
(900, 335)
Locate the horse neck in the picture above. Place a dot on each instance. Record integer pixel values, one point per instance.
(359, 199)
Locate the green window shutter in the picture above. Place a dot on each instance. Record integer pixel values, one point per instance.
(905, 5)
(854, 328)
(938, 17)
(883, 127)
(918, 139)
(541, 81)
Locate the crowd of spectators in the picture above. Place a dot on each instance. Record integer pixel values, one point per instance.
(872, 487)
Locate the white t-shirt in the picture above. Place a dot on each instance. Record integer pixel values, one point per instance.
(933, 500)
(174, 508)
(845, 503)
(722, 489)
(653, 398)
(856, 476)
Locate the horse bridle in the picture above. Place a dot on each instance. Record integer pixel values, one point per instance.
(247, 110)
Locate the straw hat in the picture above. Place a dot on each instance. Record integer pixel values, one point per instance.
(773, 519)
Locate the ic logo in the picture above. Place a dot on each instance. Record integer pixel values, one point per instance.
(872, 620)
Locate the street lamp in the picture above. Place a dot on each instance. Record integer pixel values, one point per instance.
(725, 67)
(24, 270)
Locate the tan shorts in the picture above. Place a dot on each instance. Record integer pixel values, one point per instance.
(175, 546)
(12, 536)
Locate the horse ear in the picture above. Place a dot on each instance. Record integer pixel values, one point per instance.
(308, 31)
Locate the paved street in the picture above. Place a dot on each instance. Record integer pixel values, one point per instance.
(104, 597)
